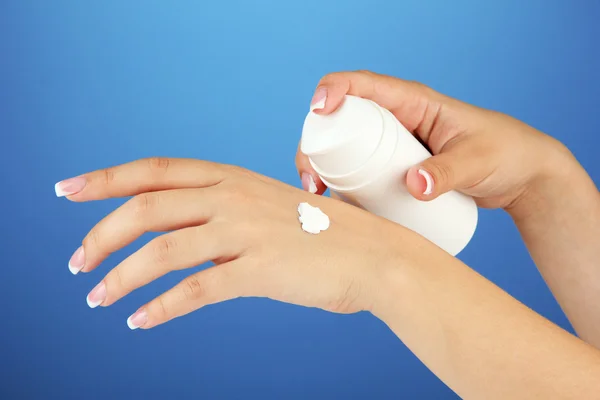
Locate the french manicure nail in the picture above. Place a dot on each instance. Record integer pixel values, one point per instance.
(97, 295)
(77, 261)
(319, 99)
(69, 186)
(312, 187)
(137, 319)
(428, 181)
(308, 183)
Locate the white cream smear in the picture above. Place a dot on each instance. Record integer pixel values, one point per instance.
(313, 220)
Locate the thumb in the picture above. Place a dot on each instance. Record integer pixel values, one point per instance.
(454, 170)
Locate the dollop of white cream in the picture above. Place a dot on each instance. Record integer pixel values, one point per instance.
(313, 220)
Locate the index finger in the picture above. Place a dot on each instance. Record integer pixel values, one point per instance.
(144, 175)
(410, 102)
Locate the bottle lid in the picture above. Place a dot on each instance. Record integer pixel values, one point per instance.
(374, 166)
(341, 142)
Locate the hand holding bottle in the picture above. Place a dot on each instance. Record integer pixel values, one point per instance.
(485, 154)
(502, 163)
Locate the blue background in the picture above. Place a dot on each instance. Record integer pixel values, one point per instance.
(88, 84)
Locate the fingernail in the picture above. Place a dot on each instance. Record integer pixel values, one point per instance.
(69, 186)
(308, 183)
(137, 319)
(97, 295)
(428, 181)
(318, 100)
(77, 261)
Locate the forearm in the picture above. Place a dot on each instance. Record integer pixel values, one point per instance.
(559, 220)
(480, 341)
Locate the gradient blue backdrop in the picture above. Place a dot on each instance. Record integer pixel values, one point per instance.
(88, 84)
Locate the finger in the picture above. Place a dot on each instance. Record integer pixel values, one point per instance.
(328, 96)
(141, 176)
(213, 285)
(311, 182)
(415, 105)
(185, 248)
(148, 212)
(458, 168)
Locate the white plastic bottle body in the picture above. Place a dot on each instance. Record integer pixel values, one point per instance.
(378, 185)
(449, 221)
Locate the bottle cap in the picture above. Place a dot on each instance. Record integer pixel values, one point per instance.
(374, 166)
(341, 142)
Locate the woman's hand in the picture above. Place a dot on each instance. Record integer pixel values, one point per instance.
(482, 153)
(244, 222)
(502, 163)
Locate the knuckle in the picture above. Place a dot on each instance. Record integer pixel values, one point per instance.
(242, 196)
(442, 174)
(193, 288)
(332, 77)
(115, 281)
(423, 89)
(93, 239)
(236, 194)
(241, 172)
(162, 310)
(158, 165)
(418, 85)
(145, 203)
(163, 249)
(327, 78)
(236, 175)
(108, 176)
(365, 72)
(234, 169)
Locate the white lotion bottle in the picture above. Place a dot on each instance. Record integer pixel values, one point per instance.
(362, 153)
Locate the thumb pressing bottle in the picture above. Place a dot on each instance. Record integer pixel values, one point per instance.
(362, 153)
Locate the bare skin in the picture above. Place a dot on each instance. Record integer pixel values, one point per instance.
(502, 163)
(474, 336)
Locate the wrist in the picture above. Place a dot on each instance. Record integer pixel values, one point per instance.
(399, 280)
(559, 178)
(387, 281)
